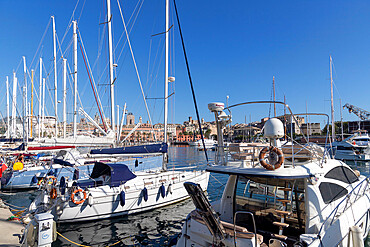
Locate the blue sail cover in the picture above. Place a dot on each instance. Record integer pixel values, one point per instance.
(142, 149)
(118, 172)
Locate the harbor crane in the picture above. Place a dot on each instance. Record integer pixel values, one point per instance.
(361, 113)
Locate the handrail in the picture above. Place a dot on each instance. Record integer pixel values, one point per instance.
(347, 197)
(254, 226)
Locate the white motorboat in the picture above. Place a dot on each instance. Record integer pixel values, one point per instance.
(209, 144)
(297, 196)
(355, 147)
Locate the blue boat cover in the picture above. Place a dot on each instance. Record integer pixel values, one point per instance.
(62, 162)
(150, 148)
(119, 173)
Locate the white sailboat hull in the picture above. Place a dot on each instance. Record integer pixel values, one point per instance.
(106, 200)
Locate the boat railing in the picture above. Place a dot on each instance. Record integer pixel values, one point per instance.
(254, 225)
(238, 152)
(347, 201)
(344, 237)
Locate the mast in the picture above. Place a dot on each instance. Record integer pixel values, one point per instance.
(273, 86)
(166, 73)
(64, 97)
(7, 107)
(341, 117)
(25, 113)
(111, 76)
(55, 78)
(166, 80)
(31, 111)
(118, 132)
(14, 104)
(75, 78)
(43, 107)
(332, 102)
(40, 92)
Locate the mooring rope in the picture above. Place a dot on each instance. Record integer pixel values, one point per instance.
(91, 245)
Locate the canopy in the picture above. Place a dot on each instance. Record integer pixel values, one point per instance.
(118, 172)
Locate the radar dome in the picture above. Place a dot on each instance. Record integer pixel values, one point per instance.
(216, 106)
(273, 129)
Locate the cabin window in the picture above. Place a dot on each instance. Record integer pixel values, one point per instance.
(331, 192)
(343, 174)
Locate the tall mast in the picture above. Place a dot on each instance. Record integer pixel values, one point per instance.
(64, 97)
(273, 86)
(111, 76)
(118, 132)
(332, 102)
(166, 73)
(75, 78)
(7, 108)
(25, 114)
(40, 97)
(14, 104)
(43, 106)
(341, 117)
(31, 111)
(55, 79)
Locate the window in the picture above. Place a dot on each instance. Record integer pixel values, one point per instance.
(331, 192)
(343, 174)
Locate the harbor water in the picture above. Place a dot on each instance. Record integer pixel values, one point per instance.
(153, 228)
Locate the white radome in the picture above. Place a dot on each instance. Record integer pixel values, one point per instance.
(216, 106)
(273, 129)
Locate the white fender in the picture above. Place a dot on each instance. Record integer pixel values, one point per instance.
(90, 200)
(356, 235)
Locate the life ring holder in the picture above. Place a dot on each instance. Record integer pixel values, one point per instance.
(275, 166)
(73, 196)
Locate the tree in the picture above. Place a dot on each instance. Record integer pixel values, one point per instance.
(207, 133)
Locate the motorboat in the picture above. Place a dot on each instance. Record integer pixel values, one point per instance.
(355, 147)
(296, 195)
(208, 143)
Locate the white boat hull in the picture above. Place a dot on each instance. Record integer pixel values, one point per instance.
(106, 200)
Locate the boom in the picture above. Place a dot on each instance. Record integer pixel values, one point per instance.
(361, 113)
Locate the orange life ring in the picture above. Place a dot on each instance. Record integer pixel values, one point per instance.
(275, 166)
(73, 196)
(53, 193)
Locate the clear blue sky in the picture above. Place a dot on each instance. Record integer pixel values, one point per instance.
(234, 48)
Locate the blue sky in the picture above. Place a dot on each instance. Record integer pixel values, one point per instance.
(234, 48)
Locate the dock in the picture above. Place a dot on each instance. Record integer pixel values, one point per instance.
(11, 231)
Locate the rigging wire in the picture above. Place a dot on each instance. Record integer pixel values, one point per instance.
(137, 72)
(92, 82)
(190, 81)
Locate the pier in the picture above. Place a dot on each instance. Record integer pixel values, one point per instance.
(10, 230)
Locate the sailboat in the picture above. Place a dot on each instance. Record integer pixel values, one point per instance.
(114, 189)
